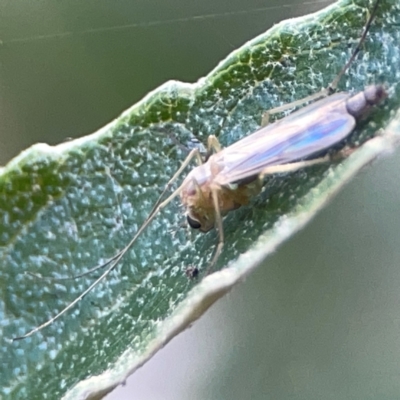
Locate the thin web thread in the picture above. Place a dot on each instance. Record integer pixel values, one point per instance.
(148, 24)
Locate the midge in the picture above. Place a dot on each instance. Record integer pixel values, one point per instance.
(231, 176)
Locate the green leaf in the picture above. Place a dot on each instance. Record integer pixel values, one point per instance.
(66, 208)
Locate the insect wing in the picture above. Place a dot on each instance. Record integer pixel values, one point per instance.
(303, 133)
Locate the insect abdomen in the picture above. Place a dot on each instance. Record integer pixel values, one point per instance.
(360, 104)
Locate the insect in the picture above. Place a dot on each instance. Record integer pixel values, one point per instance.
(230, 177)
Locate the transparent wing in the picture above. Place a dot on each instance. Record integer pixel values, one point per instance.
(303, 133)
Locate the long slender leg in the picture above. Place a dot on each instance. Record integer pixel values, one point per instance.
(332, 87)
(283, 168)
(267, 171)
(295, 166)
(220, 229)
(267, 114)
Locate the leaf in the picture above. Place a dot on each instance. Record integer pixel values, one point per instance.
(66, 208)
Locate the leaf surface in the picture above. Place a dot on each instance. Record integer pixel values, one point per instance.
(66, 208)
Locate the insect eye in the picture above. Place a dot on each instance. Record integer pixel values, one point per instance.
(193, 223)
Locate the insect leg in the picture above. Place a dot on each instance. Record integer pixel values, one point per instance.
(213, 144)
(220, 229)
(315, 96)
(291, 167)
(295, 166)
(334, 84)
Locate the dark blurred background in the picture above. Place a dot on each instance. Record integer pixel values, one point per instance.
(321, 318)
(69, 67)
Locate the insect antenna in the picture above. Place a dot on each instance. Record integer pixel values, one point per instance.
(73, 277)
(102, 265)
(113, 262)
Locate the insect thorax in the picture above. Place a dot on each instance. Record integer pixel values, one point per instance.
(200, 205)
